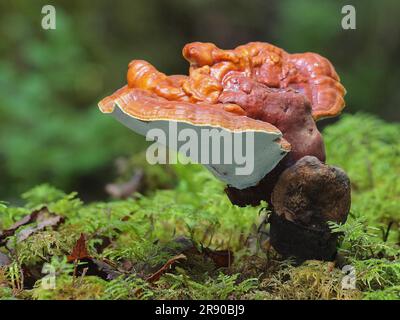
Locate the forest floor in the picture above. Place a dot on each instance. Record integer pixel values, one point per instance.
(189, 242)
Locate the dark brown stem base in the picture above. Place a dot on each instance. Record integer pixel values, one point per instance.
(303, 243)
(306, 197)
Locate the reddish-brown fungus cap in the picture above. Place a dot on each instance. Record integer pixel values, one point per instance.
(146, 106)
(211, 68)
(143, 110)
(309, 73)
(197, 99)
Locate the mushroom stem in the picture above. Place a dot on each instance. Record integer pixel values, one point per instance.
(291, 113)
(307, 196)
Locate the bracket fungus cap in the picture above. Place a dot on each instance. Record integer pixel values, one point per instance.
(142, 111)
(309, 73)
(153, 100)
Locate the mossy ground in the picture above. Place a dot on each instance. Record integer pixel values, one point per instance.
(141, 235)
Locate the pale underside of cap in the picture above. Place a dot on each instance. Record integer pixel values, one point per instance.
(262, 144)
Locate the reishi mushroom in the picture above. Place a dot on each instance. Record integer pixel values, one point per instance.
(142, 111)
(257, 88)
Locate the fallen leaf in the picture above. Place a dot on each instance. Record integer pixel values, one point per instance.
(221, 258)
(53, 221)
(103, 269)
(125, 190)
(79, 251)
(186, 246)
(157, 275)
(24, 221)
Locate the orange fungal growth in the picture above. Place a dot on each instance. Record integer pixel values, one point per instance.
(256, 87)
(211, 67)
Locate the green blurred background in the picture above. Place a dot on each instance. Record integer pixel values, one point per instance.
(51, 80)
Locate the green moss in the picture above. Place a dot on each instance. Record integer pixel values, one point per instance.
(389, 293)
(141, 232)
(68, 288)
(368, 149)
(181, 286)
(312, 280)
(155, 176)
(6, 292)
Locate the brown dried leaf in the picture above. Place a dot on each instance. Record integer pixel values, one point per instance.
(53, 221)
(32, 217)
(221, 258)
(157, 275)
(79, 251)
